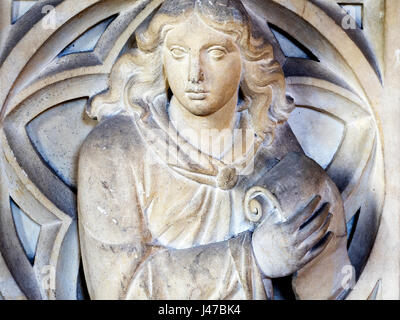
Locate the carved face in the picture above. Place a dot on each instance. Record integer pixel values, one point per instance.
(202, 65)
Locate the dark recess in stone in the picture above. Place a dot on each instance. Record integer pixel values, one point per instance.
(294, 41)
(352, 225)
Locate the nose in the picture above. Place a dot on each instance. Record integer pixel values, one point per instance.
(196, 73)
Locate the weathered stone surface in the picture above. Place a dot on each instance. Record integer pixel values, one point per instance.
(197, 180)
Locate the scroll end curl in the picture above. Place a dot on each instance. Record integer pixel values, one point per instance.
(254, 209)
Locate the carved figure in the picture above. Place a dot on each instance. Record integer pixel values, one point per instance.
(203, 192)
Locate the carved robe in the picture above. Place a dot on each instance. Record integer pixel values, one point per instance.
(163, 229)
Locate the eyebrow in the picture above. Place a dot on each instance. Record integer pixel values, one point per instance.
(227, 43)
(177, 47)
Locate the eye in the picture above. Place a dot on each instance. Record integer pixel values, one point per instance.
(217, 52)
(178, 52)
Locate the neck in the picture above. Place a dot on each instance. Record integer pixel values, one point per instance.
(207, 133)
(223, 119)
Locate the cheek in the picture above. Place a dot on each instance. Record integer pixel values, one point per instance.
(174, 72)
(228, 76)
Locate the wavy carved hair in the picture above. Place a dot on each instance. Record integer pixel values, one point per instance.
(137, 78)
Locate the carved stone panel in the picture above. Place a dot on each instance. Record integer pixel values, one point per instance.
(198, 149)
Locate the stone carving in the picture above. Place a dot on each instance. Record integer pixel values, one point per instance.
(203, 192)
(57, 54)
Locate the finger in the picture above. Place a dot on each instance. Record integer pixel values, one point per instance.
(314, 239)
(316, 251)
(312, 235)
(315, 222)
(298, 218)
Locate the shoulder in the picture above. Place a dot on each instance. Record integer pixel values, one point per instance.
(299, 163)
(299, 171)
(296, 179)
(114, 135)
(284, 142)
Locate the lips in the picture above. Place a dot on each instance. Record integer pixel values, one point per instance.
(197, 94)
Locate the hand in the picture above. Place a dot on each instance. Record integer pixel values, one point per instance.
(282, 248)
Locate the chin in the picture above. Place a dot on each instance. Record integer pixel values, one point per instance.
(200, 108)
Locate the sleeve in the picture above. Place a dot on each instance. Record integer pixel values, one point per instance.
(219, 271)
(294, 181)
(111, 230)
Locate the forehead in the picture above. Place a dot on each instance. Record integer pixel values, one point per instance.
(195, 32)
